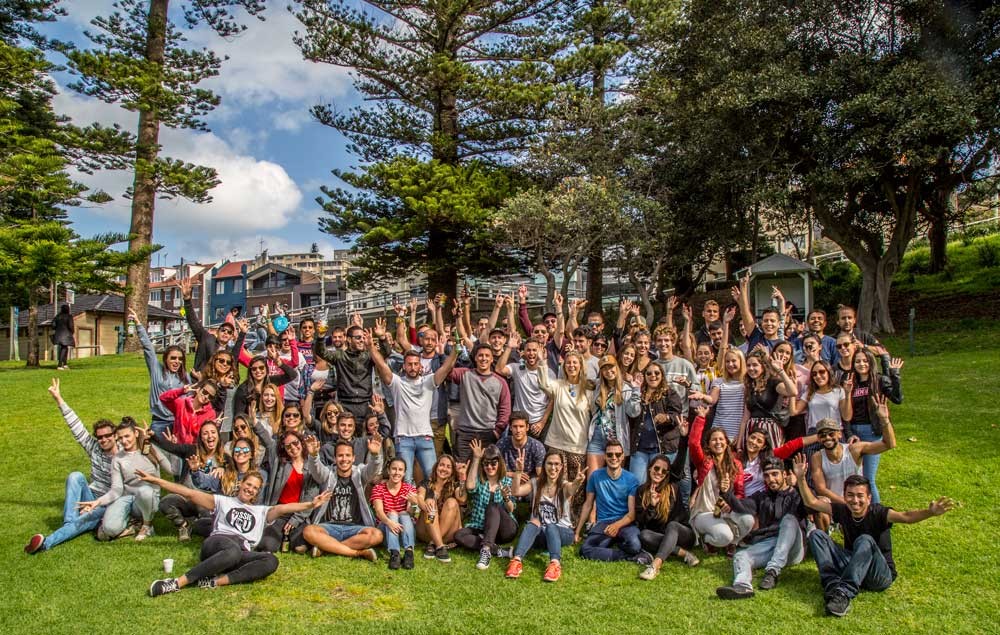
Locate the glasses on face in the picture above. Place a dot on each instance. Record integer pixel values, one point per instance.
(223, 360)
(226, 331)
(844, 345)
(491, 462)
(241, 450)
(174, 359)
(357, 337)
(293, 444)
(600, 345)
(653, 374)
(810, 347)
(614, 455)
(657, 469)
(284, 340)
(820, 373)
(241, 428)
(101, 437)
(293, 415)
(210, 395)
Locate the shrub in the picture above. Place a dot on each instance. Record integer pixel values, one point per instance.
(988, 255)
(836, 283)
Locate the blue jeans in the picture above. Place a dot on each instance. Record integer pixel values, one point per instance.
(422, 448)
(408, 535)
(141, 506)
(771, 553)
(846, 571)
(77, 491)
(638, 463)
(598, 546)
(552, 537)
(869, 462)
(340, 533)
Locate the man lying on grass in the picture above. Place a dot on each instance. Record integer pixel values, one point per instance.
(865, 561)
(227, 555)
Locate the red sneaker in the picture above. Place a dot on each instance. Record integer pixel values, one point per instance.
(35, 544)
(552, 572)
(514, 569)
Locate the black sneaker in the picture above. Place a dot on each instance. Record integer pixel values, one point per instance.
(429, 551)
(441, 553)
(769, 581)
(394, 562)
(838, 604)
(735, 592)
(161, 587)
(644, 558)
(207, 583)
(484, 559)
(408, 559)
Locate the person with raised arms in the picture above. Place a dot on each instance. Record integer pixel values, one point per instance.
(227, 555)
(100, 448)
(865, 561)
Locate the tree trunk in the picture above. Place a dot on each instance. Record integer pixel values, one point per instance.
(937, 235)
(144, 183)
(33, 347)
(441, 276)
(595, 279)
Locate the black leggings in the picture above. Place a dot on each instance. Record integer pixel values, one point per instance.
(224, 555)
(663, 545)
(63, 352)
(498, 528)
(275, 531)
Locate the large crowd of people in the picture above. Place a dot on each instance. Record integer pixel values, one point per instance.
(751, 436)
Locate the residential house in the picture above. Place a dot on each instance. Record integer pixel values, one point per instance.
(227, 290)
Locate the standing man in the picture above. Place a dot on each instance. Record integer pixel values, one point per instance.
(815, 325)
(527, 395)
(710, 313)
(768, 332)
(100, 448)
(776, 541)
(484, 410)
(865, 561)
(678, 372)
(354, 367)
(615, 535)
(414, 394)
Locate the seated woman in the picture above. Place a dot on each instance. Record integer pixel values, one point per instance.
(718, 470)
(550, 526)
(129, 497)
(205, 456)
(191, 406)
(491, 506)
(227, 556)
(756, 453)
(660, 515)
(243, 430)
(290, 482)
(440, 498)
(391, 500)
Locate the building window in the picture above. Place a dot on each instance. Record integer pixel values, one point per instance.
(238, 286)
(220, 314)
(154, 295)
(220, 287)
(195, 292)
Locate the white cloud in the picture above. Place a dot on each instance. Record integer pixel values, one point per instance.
(247, 247)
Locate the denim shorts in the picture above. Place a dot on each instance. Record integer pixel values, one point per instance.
(597, 442)
(340, 533)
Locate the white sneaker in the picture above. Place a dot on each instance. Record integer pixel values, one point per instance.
(144, 532)
(649, 573)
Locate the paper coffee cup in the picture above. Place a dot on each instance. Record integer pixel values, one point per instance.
(168, 565)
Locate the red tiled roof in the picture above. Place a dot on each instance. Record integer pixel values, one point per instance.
(232, 269)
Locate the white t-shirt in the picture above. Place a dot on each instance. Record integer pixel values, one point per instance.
(823, 406)
(527, 394)
(413, 399)
(729, 409)
(233, 518)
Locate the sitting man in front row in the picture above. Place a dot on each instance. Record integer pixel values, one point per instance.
(776, 541)
(865, 561)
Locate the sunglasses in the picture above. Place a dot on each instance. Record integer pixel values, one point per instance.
(174, 359)
(844, 345)
(599, 345)
(614, 455)
(223, 360)
(293, 415)
(101, 437)
(293, 444)
(241, 450)
(656, 469)
(244, 428)
(210, 395)
(491, 462)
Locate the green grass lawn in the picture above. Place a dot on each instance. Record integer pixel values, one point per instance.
(948, 566)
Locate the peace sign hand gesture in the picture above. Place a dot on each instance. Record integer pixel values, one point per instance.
(519, 462)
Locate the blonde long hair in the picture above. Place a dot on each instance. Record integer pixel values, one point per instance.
(606, 390)
(582, 383)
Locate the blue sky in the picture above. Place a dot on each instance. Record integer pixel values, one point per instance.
(271, 155)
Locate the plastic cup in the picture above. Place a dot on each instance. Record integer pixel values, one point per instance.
(168, 565)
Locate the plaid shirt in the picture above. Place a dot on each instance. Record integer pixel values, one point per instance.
(480, 498)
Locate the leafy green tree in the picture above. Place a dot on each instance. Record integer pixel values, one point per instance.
(450, 82)
(140, 64)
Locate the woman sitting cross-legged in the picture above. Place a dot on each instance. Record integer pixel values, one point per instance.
(549, 526)
(491, 507)
(227, 555)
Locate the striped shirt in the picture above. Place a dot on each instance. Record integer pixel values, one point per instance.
(392, 503)
(100, 461)
(729, 408)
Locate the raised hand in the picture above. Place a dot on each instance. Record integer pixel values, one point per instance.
(312, 445)
(399, 309)
(413, 306)
(169, 435)
(368, 338)
(848, 383)
(375, 443)
(243, 325)
(687, 313)
(581, 476)
(522, 294)
(671, 304)
(317, 385)
(379, 330)
(54, 389)
(775, 364)
(799, 466)
(462, 468)
(195, 463)
(941, 505)
(377, 404)
(701, 411)
(682, 425)
(514, 341)
(882, 407)
(132, 315)
(185, 287)
(557, 302)
(500, 299)
(724, 482)
(896, 363)
(519, 461)
(430, 304)
(735, 293)
(356, 320)
(477, 448)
